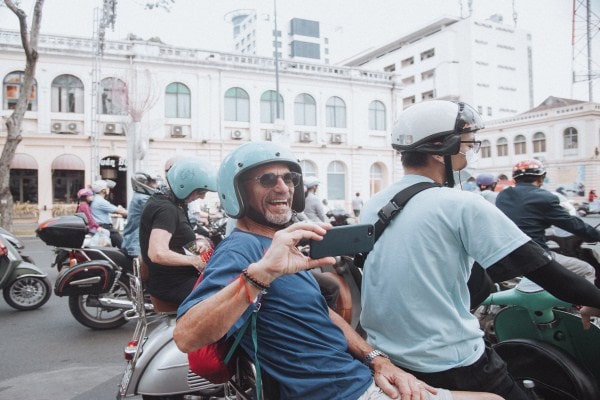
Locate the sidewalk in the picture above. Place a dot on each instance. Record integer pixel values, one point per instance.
(24, 226)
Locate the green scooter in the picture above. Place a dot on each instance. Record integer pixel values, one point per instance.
(542, 340)
(24, 286)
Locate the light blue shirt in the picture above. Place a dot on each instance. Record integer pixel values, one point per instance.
(101, 210)
(415, 300)
(131, 237)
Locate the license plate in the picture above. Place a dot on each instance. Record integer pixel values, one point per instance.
(125, 379)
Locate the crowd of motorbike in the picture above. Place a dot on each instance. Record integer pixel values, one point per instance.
(539, 336)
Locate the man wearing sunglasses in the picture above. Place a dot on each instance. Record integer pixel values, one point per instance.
(306, 347)
(415, 297)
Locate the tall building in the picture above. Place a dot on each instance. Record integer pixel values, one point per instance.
(485, 63)
(266, 35)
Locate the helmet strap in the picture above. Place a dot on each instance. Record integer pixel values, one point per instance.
(449, 171)
(259, 218)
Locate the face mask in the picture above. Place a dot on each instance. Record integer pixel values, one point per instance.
(472, 157)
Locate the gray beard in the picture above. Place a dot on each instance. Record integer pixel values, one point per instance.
(278, 219)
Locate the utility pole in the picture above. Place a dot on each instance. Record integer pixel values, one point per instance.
(585, 25)
(102, 19)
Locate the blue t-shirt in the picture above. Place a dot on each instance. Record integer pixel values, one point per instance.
(298, 344)
(415, 300)
(131, 237)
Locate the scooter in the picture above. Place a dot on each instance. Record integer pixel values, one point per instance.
(587, 208)
(24, 286)
(573, 246)
(157, 370)
(97, 279)
(543, 342)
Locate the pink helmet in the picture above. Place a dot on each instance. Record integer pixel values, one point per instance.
(85, 192)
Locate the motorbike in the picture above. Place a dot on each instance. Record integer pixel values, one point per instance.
(95, 279)
(542, 341)
(212, 229)
(572, 246)
(157, 370)
(24, 286)
(587, 208)
(339, 216)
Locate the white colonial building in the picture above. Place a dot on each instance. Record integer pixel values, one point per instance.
(336, 119)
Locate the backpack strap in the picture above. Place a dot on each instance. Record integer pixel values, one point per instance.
(397, 203)
(387, 212)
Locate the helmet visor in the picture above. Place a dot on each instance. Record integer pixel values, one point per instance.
(468, 119)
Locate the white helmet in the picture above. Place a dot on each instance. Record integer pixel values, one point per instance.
(434, 127)
(311, 181)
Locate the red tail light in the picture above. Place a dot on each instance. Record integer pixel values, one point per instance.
(131, 349)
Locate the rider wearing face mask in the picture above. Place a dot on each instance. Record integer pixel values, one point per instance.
(415, 299)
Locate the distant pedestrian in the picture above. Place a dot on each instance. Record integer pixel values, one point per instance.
(357, 205)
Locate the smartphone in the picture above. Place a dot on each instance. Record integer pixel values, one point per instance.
(343, 240)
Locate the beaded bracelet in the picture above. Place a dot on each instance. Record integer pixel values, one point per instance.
(263, 287)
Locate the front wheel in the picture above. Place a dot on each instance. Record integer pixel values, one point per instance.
(88, 311)
(582, 212)
(27, 292)
(557, 374)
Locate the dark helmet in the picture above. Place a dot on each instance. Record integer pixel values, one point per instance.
(434, 127)
(528, 168)
(144, 183)
(244, 158)
(486, 179)
(191, 173)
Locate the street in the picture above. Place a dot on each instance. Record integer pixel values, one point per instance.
(48, 355)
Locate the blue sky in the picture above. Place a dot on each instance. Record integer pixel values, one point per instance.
(363, 24)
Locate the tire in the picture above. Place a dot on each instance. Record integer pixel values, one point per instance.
(557, 374)
(581, 212)
(27, 292)
(174, 397)
(86, 310)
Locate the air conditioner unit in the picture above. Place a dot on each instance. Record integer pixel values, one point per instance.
(337, 138)
(177, 131)
(57, 127)
(72, 127)
(237, 135)
(113, 129)
(110, 128)
(305, 137)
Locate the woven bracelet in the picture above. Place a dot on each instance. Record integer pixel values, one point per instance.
(263, 287)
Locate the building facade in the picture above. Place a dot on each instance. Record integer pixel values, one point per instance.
(336, 119)
(485, 63)
(564, 134)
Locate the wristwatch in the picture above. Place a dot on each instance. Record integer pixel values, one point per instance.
(375, 353)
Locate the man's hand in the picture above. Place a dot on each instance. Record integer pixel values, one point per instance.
(586, 314)
(283, 256)
(399, 384)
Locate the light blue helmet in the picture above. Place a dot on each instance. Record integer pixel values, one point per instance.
(248, 156)
(191, 173)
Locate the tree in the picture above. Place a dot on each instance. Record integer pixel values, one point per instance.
(29, 40)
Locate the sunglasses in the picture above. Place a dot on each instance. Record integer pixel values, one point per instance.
(269, 180)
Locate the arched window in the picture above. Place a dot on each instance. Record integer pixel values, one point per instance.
(305, 110)
(570, 138)
(520, 144)
(177, 101)
(308, 168)
(67, 94)
(336, 112)
(113, 97)
(539, 142)
(376, 116)
(237, 105)
(376, 182)
(336, 181)
(486, 149)
(502, 147)
(12, 89)
(271, 106)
